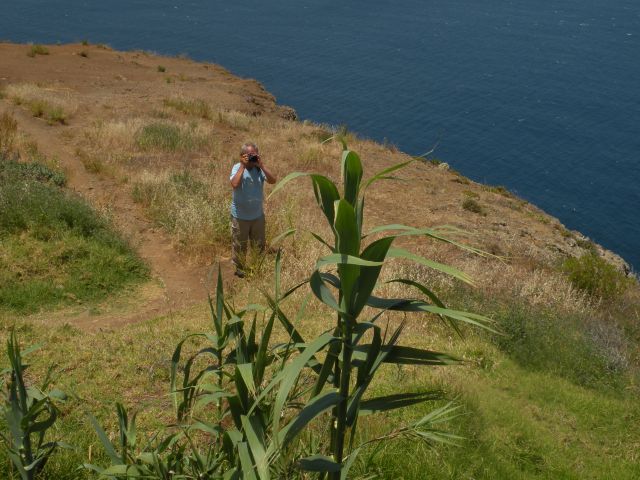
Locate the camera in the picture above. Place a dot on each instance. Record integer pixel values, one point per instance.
(253, 158)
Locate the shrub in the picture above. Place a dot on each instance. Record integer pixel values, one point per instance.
(161, 69)
(37, 50)
(473, 206)
(596, 276)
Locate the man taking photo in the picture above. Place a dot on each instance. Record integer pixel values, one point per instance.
(247, 214)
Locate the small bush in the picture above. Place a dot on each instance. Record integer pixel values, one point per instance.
(85, 42)
(37, 50)
(596, 276)
(471, 205)
(161, 69)
(84, 53)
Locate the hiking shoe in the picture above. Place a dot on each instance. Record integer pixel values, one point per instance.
(239, 273)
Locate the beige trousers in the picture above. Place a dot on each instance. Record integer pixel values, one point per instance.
(243, 231)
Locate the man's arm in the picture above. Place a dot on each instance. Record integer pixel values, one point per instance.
(236, 179)
(268, 175)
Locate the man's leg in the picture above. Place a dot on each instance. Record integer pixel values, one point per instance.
(240, 236)
(257, 233)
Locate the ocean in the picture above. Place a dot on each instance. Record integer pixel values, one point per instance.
(542, 96)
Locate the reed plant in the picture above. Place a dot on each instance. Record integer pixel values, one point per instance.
(30, 413)
(242, 399)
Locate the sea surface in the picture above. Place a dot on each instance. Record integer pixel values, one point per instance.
(541, 96)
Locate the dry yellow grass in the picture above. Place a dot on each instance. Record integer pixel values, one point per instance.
(55, 105)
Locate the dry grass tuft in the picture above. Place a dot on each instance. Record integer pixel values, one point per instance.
(195, 210)
(234, 119)
(54, 105)
(195, 107)
(8, 132)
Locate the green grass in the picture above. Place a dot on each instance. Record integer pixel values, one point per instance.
(195, 107)
(37, 50)
(519, 424)
(168, 137)
(55, 249)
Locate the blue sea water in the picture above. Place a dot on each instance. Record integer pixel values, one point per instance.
(540, 96)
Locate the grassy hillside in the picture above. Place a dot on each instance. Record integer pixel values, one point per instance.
(56, 249)
(555, 396)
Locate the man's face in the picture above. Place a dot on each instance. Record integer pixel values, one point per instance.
(250, 152)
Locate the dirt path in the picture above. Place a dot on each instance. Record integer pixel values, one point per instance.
(181, 284)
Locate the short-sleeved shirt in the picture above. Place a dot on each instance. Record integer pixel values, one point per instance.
(246, 203)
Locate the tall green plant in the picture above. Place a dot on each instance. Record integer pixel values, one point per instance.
(250, 398)
(29, 412)
(361, 346)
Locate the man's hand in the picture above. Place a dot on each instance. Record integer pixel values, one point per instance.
(270, 177)
(244, 160)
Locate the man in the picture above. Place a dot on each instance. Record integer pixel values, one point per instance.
(247, 216)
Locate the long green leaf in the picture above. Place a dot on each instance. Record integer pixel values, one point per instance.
(407, 305)
(248, 471)
(322, 292)
(432, 296)
(262, 355)
(104, 439)
(347, 243)
(395, 401)
(312, 409)
(289, 375)
(377, 252)
(338, 259)
(437, 233)
(351, 175)
(382, 175)
(286, 180)
(326, 195)
(319, 463)
(255, 438)
(451, 271)
(246, 371)
(282, 236)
